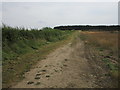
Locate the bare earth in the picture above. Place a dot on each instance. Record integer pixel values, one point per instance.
(66, 67)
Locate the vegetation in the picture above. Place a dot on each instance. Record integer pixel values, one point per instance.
(17, 41)
(22, 48)
(105, 43)
(89, 28)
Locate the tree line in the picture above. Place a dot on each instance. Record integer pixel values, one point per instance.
(89, 27)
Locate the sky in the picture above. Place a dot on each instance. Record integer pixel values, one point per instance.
(50, 14)
(60, 0)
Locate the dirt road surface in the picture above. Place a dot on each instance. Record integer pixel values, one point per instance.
(66, 67)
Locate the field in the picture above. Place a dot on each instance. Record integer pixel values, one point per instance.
(51, 58)
(104, 47)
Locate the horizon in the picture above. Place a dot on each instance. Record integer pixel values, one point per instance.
(54, 26)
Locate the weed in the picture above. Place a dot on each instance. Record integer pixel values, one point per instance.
(105, 60)
(106, 44)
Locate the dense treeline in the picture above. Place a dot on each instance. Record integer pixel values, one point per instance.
(89, 28)
(17, 41)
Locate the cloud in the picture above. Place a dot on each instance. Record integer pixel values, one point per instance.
(0, 14)
(41, 22)
(60, 0)
(49, 14)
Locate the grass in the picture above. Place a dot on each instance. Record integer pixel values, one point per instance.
(106, 44)
(105, 40)
(18, 41)
(22, 55)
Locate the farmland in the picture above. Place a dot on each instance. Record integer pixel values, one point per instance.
(51, 58)
(102, 47)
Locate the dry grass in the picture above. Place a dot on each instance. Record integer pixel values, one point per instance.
(105, 40)
(106, 44)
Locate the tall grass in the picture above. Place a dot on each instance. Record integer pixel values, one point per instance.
(105, 43)
(105, 39)
(17, 41)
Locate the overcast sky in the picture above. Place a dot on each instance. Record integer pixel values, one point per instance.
(50, 14)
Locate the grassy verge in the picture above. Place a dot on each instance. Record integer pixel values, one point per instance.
(105, 46)
(24, 52)
(19, 41)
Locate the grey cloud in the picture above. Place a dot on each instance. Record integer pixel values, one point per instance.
(43, 14)
(41, 22)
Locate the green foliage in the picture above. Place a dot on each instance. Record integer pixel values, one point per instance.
(17, 41)
(110, 65)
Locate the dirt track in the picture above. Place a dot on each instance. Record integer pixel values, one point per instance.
(66, 67)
